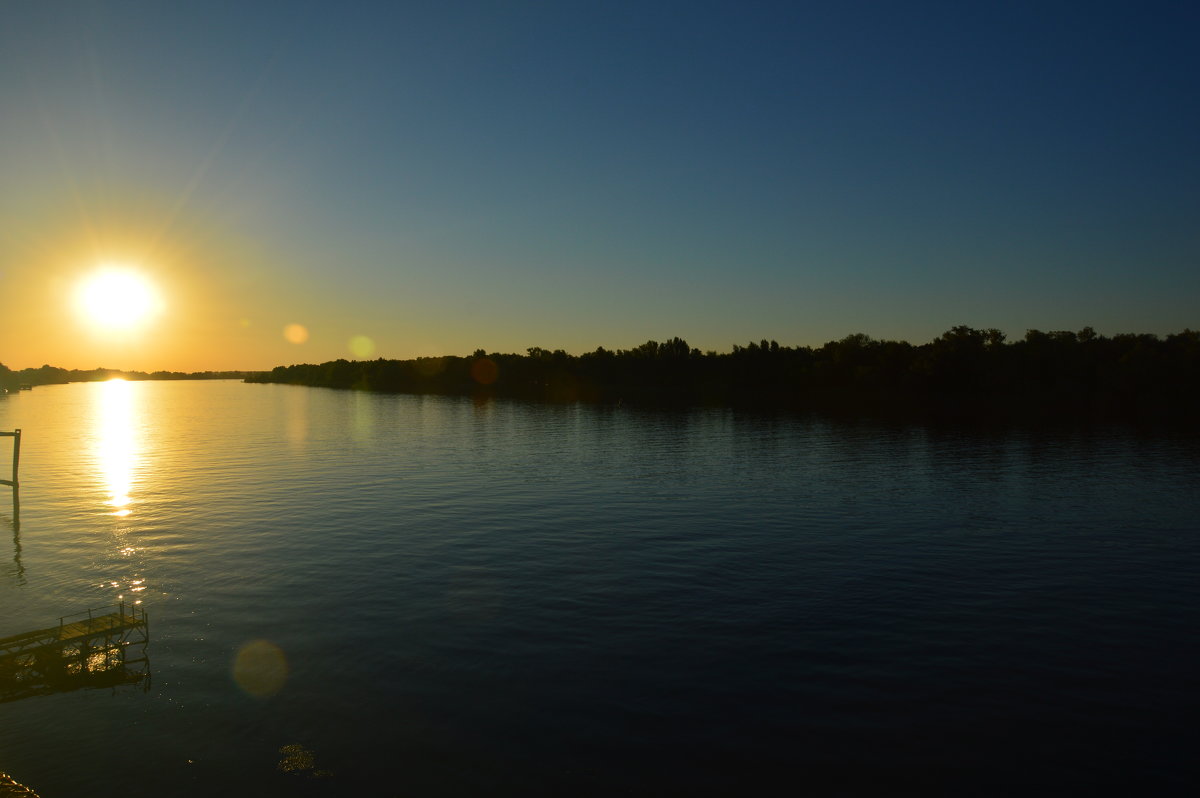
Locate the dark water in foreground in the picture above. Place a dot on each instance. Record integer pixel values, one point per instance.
(514, 599)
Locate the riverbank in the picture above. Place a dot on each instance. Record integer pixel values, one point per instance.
(964, 374)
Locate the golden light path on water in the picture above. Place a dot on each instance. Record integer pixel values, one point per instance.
(117, 455)
(117, 450)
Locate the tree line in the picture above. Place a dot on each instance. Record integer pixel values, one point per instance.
(11, 380)
(963, 372)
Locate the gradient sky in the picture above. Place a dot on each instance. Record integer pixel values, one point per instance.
(437, 177)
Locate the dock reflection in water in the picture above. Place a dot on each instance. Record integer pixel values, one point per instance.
(13, 522)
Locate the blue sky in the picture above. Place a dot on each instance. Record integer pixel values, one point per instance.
(441, 177)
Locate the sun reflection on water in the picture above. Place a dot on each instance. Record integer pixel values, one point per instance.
(116, 444)
(117, 454)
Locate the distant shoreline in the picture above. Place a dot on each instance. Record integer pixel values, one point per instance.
(964, 374)
(52, 375)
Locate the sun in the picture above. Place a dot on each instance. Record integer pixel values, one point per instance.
(117, 298)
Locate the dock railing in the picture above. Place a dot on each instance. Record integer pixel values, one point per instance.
(131, 613)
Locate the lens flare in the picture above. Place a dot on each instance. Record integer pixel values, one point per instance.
(362, 347)
(484, 371)
(296, 333)
(260, 668)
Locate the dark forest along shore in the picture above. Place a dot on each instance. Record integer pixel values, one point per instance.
(964, 374)
(455, 596)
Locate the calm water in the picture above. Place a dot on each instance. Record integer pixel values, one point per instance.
(519, 599)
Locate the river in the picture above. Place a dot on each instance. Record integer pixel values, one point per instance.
(365, 594)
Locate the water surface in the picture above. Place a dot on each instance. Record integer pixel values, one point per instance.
(508, 598)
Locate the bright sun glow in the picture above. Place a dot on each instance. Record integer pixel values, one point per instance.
(117, 298)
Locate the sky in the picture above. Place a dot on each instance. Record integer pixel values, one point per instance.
(295, 182)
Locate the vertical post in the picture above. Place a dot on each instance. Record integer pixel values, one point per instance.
(14, 482)
(16, 436)
(16, 456)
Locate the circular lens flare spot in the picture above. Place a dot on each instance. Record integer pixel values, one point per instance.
(296, 333)
(362, 347)
(484, 371)
(260, 668)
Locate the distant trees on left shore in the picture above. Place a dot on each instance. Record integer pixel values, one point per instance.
(11, 379)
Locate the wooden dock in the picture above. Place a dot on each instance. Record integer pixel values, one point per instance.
(84, 650)
(11, 788)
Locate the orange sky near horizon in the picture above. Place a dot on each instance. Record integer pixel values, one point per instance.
(223, 306)
(43, 323)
